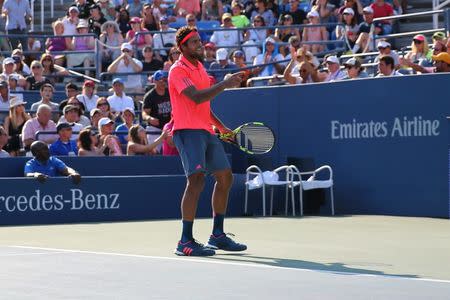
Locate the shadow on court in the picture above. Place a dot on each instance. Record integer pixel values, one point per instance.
(303, 264)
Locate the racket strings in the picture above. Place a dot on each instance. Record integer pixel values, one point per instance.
(258, 139)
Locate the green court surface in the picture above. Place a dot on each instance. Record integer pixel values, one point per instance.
(377, 245)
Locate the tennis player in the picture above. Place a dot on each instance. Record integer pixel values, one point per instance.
(200, 150)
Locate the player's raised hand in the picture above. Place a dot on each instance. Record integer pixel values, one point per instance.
(233, 80)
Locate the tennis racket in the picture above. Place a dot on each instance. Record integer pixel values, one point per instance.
(252, 138)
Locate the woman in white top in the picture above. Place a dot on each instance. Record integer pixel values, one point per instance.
(88, 96)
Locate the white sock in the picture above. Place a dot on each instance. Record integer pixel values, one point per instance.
(355, 48)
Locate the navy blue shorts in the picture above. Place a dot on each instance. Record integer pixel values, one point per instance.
(200, 151)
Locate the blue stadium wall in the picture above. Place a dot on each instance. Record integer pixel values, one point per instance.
(381, 165)
(370, 131)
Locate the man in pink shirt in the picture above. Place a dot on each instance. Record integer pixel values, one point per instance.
(201, 152)
(41, 123)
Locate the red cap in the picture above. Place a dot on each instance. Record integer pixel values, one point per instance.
(89, 83)
(210, 45)
(419, 37)
(135, 20)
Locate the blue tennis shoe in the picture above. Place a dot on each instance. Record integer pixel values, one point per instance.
(224, 242)
(193, 248)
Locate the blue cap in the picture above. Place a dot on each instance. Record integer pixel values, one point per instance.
(164, 19)
(117, 80)
(160, 75)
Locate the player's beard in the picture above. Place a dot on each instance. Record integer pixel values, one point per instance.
(199, 56)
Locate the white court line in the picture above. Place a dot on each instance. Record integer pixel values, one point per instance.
(231, 263)
(31, 253)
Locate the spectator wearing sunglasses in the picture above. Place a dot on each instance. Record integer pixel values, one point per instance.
(226, 38)
(87, 143)
(354, 69)
(384, 49)
(126, 63)
(419, 50)
(14, 123)
(302, 68)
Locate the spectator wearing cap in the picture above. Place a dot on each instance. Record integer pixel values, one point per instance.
(13, 80)
(119, 101)
(386, 67)
(210, 55)
(83, 8)
(226, 38)
(43, 165)
(191, 20)
(88, 96)
(134, 7)
(70, 22)
(96, 115)
(439, 36)
(238, 18)
(106, 129)
(64, 145)
(42, 123)
(128, 118)
(138, 142)
(9, 69)
(72, 116)
(46, 91)
(149, 62)
(156, 110)
(18, 15)
(96, 19)
(164, 40)
(36, 79)
(141, 39)
(364, 42)
(420, 52)
(184, 7)
(239, 60)
(3, 141)
(334, 69)
(383, 9)
(14, 123)
(81, 118)
(355, 5)
(354, 69)
(126, 63)
(81, 42)
(311, 34)
(349, 30)
(441, 62)
(267, 14)
(384, 48)
(222, 65)
(212, 10)
(269, 56)
(111, 39)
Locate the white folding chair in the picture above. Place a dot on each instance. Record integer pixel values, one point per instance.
(311, 183)
(257, 179)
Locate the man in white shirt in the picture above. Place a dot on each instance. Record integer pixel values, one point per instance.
(125, 63)
(119, 101)
(386, 67)
(226, 38)
(334, 69)
(160, 40)
(4, 96)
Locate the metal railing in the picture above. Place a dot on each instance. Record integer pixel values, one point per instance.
(437, 6)
(446, 13)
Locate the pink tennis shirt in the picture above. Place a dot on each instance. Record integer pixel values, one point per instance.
(186, 113)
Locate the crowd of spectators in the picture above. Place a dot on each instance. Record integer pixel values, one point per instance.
(138, 37)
